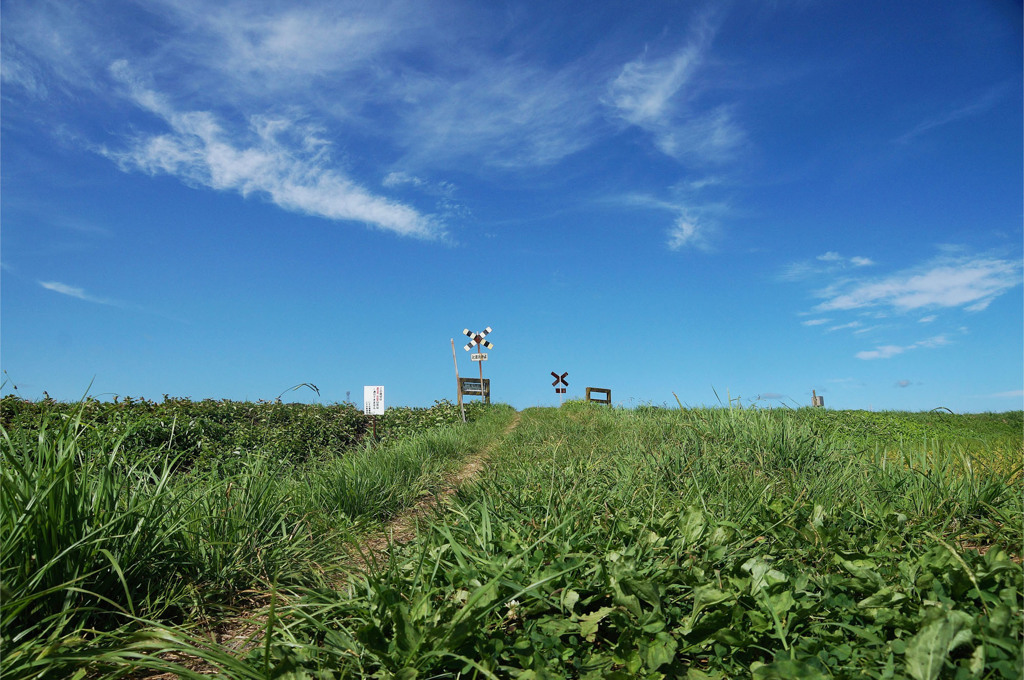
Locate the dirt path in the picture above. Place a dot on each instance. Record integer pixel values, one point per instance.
(402, 528)
(242, 633)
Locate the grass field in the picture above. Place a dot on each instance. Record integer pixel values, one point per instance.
(597, 542)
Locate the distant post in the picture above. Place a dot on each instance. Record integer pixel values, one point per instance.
(458, 385)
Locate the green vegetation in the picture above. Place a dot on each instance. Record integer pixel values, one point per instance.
(598, 543)
(212, 431)
(101, 528)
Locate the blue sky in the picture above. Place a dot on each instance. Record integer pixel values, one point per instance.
(751, 199)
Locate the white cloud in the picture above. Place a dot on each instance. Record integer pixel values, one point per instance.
(396, 179)
(685, 232)
(834, 257)
(389, 80)
(844, 326)
(1011, 394)
(507, 113)
(75, 292)
(815, 322)
(903, 383)
(659, 96)
(830, 262)
(883, 352)
(889, 351)
(643, 90)
(983, 103)
(937, 341)
(693, 225)
(280, 158)
(927, 319)
(970, 283)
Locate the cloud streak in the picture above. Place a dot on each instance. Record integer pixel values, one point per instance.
(985, 102)
(889, 351)
(828, 263)
(75, 292)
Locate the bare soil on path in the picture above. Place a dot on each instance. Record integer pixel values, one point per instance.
(403, 528)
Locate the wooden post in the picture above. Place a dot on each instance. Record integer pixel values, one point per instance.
(458, 385)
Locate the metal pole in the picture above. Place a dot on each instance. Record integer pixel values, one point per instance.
(478, 351)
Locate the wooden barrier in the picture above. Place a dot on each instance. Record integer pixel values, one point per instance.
(607, 399)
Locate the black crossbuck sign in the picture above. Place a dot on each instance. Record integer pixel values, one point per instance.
(560, 379)
(477, 339)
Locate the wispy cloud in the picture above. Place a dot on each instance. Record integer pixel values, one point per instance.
(659, 95)
(889, 351)
(75, 292)
(1010, 394)
(827, 263)
(693, 225)
(983, 103)
(280, 158)
(398, 178)
(454, 101)
(971, 283)
(506, 113)
(815, 322)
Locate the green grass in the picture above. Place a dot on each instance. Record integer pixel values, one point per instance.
(96, 539)
(702, 543)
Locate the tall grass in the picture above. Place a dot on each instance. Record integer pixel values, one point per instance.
(706, 544)
(96, 541)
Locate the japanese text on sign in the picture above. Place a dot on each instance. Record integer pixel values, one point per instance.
(373, 400)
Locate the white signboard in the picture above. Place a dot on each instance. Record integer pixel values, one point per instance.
(373, 400)
(478, 357)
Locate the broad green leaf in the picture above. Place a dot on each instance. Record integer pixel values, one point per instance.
(787, 670)
(661, 650)
(929, 649)
(693, 525)
(569, 599)
(589, 622)
(558, 627)
(707, 596)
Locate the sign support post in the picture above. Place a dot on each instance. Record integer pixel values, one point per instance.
(373, 404)
(560, 379)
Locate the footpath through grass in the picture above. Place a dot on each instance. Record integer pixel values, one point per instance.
(100, 540)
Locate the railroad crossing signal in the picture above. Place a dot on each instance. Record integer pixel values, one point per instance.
(560, 379)
(477, 339)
